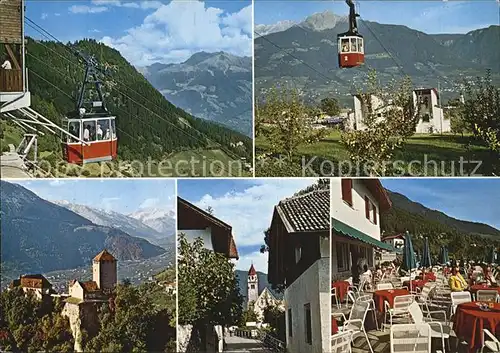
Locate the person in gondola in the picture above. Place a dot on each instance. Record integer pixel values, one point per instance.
(86, 133)
(99, 132)
(6, 65)
(345, 46)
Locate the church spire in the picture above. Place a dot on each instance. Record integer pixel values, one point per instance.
(252, 271)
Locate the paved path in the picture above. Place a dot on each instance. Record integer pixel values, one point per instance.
(240, 345)
(12, 166)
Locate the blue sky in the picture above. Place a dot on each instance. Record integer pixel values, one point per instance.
(247, 205)
(426, 16)
(148, 31)
(467, 199)
(120, 195)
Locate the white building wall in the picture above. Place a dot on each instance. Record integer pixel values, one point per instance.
(354, 216)
(204, 234)
(312, 287)
(76, 291)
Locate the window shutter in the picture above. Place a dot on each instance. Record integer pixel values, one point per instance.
(347, 190)
(367, 207)
(374, 214)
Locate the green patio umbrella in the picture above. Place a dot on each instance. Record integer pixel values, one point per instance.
(490, 258)
(426, 256)
(446, 257)
(409, 260)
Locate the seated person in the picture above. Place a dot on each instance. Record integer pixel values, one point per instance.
(488, 276)
(366, 277)
(456, 284)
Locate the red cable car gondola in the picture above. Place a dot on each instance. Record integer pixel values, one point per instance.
(91, 129)
(351, 44)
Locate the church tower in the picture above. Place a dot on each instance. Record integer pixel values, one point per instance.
(104, 271)
(253, 286)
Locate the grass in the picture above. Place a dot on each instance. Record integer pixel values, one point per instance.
(213, 162)
(446, 150)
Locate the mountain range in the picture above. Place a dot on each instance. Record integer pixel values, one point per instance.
(214, 86)
(40, 236)
(155, 225)
(306, 54)
(402, 202)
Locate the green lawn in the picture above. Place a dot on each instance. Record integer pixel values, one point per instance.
(215, 163)
(441, 154)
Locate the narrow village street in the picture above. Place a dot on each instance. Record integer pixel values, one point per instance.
(241, 344)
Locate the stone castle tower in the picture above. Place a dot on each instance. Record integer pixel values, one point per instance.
(104, 271)
(253, 286)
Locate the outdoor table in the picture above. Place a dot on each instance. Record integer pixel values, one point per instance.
(416, 283)
(470, 321)
(429, 276)
(335, 327)
(389, 294)
(341, 287)
(473, 289)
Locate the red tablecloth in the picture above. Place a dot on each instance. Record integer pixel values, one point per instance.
(470, 321)
(473, 289)
(417, 283)
(382, 295)
(335, 328)
(429, 276)
(341, 287)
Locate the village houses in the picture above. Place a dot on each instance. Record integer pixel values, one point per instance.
(299, 261)
(431, 118)
(356, 208)
(217, 236)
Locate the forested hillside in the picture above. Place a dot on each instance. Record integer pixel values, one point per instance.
(148, 125)
(471, 242)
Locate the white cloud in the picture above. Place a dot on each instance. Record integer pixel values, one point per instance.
(250, 212)
(241, 19)
(84, 9)
(108, 203)
(57, 14)
(44, 16)
(150, 203)
(145, 5)
(258, 260)
(56, 182)
(94, 31)
(179, 29)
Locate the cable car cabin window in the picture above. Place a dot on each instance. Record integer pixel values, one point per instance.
(113, 130)
(89, 130)
(354, 44)
(345, 45)
(102, 131)
(360, 45)
(74, 129)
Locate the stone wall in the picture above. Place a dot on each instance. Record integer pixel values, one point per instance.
(81, 317)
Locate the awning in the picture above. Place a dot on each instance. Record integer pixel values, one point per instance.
(348, 231)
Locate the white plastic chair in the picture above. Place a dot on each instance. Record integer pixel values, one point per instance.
(369, 298)
(385, 286)
(424, 298)
(334, 296)
(341, 342)
(443, 328)
(399, 309)
(486, 295)
(459, 298)
(410, 338)
(493, 345)
(356, 321)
